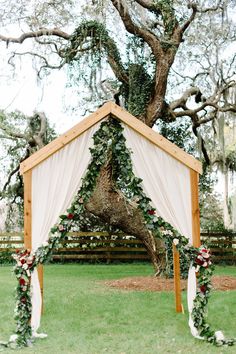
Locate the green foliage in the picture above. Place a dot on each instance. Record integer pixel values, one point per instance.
(6, 257)
(99, 43)
(137, 93)
(211, 212)
(168, 16)
(179, 133)
(231, 160)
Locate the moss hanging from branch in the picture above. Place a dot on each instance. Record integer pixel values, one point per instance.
(137, 92)
(92, 37)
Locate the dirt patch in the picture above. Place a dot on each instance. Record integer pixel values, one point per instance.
(151, 283)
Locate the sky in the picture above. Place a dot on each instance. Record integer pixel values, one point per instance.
(27, 94)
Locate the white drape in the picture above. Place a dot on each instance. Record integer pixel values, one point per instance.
(192, 289)
(166, 182)
(54, 184)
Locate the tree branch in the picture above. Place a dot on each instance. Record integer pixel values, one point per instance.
(181, 102)
(38, 138)
(11, 134)
(7, 137)
(132, 28)
(148, 4)
(35, 34)
(38, 56)
(213, 102)
(11, 174)
(203, 147)
(46, 65)
(214, 8)
(44, 42)
(191, 18)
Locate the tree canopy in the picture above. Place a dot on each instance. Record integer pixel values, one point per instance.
(140, 41)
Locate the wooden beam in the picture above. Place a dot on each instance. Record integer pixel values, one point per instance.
(194, 177)
(177, 284)
(65, 138)
(122, 115)
(156, 138)
(27, 178)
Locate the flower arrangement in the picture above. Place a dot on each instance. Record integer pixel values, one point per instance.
(25, 262)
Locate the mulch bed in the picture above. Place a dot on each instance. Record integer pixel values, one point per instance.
(151, 283)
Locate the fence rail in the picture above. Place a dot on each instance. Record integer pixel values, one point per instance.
(104, 246)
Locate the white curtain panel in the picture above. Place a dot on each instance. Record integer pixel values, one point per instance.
(166, 182)
(54, 184)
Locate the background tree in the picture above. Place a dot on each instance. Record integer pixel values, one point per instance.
(20, 136)
(136, 63)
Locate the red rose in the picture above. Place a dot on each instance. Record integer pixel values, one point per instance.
(22, 281)
(203, 288)
(22, 261)
(70, 216)
(17, 251)
(151, 212)
(199, 261)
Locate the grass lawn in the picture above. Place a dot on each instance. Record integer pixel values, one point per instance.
(85, 317)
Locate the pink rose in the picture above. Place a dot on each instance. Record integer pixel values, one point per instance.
(60, 227)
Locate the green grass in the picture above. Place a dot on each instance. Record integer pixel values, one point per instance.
(83, 316)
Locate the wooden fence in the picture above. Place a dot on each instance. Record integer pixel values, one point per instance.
(95, 246)
(222, 245)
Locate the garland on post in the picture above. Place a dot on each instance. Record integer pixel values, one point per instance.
(109, 138)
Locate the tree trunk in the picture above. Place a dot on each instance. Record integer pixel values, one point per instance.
(110, 205)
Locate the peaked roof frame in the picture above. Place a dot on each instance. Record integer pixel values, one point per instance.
(106, 110)
(111, 109)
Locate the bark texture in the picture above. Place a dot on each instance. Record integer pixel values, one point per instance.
(110, 205)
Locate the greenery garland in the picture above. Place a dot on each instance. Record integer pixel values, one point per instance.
(109, 138)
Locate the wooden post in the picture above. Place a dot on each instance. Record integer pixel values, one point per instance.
(176, 264)
(40, 275)
(27, 210)
(28, 222)
(195, 208)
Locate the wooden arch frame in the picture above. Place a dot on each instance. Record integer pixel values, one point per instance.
(111, 109)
